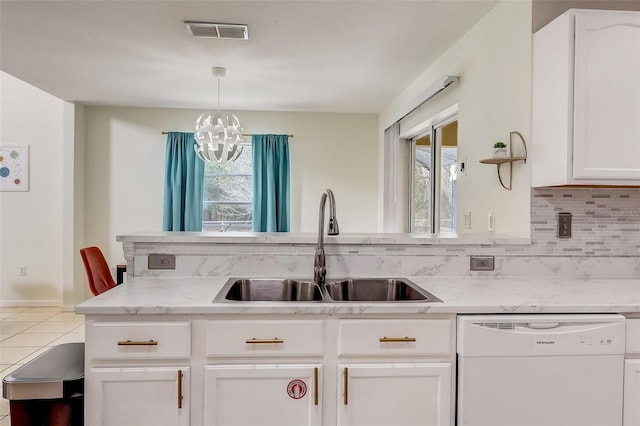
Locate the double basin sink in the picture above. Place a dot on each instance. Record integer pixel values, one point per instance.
(338, 290)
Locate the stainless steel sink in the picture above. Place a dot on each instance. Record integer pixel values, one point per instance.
(337, 290)
(377, 290)
(269, 290)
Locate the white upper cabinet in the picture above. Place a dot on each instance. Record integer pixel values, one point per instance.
(586, 100)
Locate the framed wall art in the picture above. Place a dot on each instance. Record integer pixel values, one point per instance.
(14, 167)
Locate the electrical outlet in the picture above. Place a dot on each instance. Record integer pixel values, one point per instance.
(23, 270)
(564, 225)
(161, 261)
(481, 263)
(467, 220)
(491, 224)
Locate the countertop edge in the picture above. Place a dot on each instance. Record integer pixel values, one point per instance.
(194, 296)
(330, 311)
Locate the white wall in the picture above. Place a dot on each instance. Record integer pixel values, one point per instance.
(493, 61)
(124, 169)
(31, 226)
(76, 208)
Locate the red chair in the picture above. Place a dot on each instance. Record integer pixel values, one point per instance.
(98, 272)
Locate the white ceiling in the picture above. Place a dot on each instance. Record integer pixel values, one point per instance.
(303, 55)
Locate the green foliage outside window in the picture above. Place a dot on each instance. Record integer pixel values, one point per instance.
(228, 194)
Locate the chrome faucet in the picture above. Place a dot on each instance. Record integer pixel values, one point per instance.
(319, 264)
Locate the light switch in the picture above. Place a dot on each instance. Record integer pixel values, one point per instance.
(564, 225)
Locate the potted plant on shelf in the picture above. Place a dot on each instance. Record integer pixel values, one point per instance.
(499, 150)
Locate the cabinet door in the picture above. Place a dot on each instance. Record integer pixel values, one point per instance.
(394, 394)
(631, 392)
(263, 395)
(607, 96)
(137, 396)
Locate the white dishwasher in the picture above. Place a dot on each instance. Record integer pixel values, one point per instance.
(540, 370)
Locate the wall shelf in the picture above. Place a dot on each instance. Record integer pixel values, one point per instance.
(501, 160)
(498, 161)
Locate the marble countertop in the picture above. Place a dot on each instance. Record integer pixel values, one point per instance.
(187, 295)
(309, 238)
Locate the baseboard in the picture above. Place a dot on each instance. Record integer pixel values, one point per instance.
(30, 302)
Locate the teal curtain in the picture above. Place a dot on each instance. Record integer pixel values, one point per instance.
(184, 174)
(271, 189)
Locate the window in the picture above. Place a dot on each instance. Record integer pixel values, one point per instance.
(433, 166)
(228, 194)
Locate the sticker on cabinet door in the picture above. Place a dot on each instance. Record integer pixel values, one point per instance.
(297, 389)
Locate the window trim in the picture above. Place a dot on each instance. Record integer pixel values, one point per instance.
(427, 127)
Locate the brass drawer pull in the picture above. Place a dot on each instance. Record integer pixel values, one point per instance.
(138, 343)
(180, 374)
(386, 339)
(346, 386)
(315, 386)
(274, 340)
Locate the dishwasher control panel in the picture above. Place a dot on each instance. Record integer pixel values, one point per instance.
(588, 343)
(539, 335)
(597, 341)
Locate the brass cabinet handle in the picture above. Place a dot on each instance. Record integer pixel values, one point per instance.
(138, 343)
(386, 339)
(315, 386)
(346, 386)
(180, 375)
(274, 340)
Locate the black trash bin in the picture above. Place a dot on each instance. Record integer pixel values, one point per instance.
(49, 390)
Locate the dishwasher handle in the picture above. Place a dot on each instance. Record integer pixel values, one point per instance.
(543, 325)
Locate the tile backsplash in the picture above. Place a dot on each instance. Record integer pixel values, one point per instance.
(605, 243)
(606, 221)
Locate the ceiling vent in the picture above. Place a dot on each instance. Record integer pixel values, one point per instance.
(213, 30)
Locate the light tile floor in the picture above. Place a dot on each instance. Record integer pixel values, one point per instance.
(26, 333)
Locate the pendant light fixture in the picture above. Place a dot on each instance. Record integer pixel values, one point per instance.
(218, 135)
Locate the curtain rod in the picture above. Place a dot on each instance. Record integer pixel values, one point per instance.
(244, 134)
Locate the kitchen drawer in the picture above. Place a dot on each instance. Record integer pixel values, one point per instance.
(633, 336)
(265, 338)
(139, 340)
(395, 337)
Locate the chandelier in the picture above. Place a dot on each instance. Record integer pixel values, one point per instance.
(218, 135)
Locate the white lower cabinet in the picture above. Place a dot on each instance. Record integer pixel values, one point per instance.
(263, 373)
(631, 415)
(403, 373)
(137, 373)
(263, 395)
(320, 371)
(394, 394)
(631, 392)
(150, 396)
